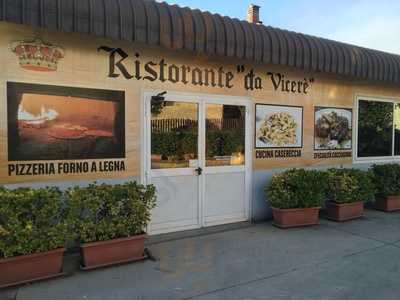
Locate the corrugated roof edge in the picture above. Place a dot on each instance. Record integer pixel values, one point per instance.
(183, 28)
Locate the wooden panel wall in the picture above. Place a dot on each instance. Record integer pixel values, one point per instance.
(84, 66)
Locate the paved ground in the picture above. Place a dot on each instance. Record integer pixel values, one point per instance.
(355, 260)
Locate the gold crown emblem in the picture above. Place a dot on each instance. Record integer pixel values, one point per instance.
(37, 55)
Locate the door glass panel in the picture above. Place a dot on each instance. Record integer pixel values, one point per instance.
(174, 134)
(397, 129)
(225, 135)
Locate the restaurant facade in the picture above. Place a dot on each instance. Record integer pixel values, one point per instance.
(206, 108)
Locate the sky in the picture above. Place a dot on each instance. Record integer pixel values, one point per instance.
(368, 23)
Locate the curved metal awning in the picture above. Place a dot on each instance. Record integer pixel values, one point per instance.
(177, 28)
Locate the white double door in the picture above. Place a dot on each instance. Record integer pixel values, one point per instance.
(198, 157)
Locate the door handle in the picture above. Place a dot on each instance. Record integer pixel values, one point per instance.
(199, 171)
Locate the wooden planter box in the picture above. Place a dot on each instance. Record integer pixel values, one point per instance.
(287, 218)
(341, 212)
(32, 267)
(390, 204)
(117, 251)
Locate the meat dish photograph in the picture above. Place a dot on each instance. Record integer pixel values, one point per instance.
(333, 129)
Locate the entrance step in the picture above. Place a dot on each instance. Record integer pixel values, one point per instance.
(166, 237)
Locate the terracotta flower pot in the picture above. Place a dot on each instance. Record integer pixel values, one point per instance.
(32, 267)
(388, 204)
(344, 211)
(287, 218)
(117, 251)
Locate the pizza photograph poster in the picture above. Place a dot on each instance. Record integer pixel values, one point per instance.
(279, 126)
(62, 123)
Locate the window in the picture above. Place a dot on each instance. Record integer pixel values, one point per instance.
(397, 129)
(378, 129)
(174, 134)
(225, 135)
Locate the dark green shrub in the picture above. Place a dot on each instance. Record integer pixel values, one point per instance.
(297, 188)
(105, 212)
(386, 180)
(31, 221)
(220, 143)
(174, 143)
(349, 185)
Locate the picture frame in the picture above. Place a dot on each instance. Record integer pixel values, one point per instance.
(275, 139)
(50, 122)
(333, 128)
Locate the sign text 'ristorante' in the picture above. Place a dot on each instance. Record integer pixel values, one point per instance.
(120, 64)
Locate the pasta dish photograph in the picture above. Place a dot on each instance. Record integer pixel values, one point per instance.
(278, 126)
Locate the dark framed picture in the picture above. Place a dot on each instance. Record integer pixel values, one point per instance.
(64, 123)
(333, 128)
(278, 126)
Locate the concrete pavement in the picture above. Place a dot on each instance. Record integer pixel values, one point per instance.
(355, 260)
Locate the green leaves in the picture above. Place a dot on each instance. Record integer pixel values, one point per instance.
(297, 188)
(226, 142)
(40, 220)
(105, 212)
(387, 179)
(349, 185)
(31, 220)
(218, 143)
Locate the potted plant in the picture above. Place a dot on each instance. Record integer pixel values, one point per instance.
(111, 221)
(387, 183)
(33, 233)
(347, 190)
(296, 197)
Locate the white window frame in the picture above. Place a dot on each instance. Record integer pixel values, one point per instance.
(372, 159)
(145, 164)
